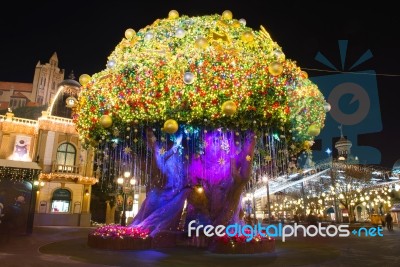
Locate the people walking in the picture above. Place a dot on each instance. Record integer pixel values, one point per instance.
(389, 221)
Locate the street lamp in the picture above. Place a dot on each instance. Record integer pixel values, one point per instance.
(126, 188)
(266, 181)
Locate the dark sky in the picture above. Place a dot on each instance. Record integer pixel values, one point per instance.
(84, 34)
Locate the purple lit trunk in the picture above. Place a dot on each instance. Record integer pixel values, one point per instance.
(222, 171)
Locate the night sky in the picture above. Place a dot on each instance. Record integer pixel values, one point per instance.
(83, 35)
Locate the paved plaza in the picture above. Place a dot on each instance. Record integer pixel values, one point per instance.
(66, 246)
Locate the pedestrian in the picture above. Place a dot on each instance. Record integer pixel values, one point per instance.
(389, 221)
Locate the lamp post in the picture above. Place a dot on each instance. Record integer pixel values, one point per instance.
(266, 181)
(126, 183)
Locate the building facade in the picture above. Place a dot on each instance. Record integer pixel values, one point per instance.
(47, 156)
(40, 92)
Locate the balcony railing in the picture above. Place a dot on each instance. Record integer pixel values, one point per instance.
(61, 168)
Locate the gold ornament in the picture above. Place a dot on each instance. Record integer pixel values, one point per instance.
(247, 37)
(229, 108)
(170, 126)
(236, 24)
(106, 121)
(303, 74)
(84, 79)
(201, 43)
(173, 14)
(129, 33)
(313, 130)
(268, 158)
(307, 144)
(275, 68)
(248, 157)
(220, 36)
(227, 15)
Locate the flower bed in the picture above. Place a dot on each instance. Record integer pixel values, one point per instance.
(116, 237)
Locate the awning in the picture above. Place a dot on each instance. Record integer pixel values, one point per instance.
(19, 164)
(62, 194)
(396, 208)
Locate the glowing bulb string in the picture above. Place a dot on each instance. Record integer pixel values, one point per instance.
(353, 72)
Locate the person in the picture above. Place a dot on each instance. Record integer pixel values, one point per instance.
(389, 220)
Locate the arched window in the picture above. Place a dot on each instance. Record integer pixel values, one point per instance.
(61, 200)
(66, 154)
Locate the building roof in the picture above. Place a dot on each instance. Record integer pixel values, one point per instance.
(69, 82)
(396, 167)
(19, 95)
(343, 142)
(23, 87)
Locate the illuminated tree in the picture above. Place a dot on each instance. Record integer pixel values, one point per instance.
(193, 107)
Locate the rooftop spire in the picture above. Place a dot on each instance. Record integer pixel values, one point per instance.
(341, 130)
(71, 75)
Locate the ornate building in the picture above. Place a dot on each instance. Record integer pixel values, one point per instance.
(43, 163)
(43, 89)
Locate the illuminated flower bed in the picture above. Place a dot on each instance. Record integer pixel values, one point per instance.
(116, 237)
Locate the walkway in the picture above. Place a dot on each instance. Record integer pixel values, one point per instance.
(63, 246)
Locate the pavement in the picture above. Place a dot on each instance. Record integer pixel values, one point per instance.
(67, 246)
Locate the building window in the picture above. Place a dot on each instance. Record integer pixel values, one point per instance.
(66, 154)
(61, 200)
(39, 100)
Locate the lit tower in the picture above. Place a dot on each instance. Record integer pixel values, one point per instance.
(343, 146)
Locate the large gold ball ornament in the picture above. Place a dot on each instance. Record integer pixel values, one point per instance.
(170, 126)
(275, 68)
(106, 121)
(201, 43)
(84, 79)
(313, 130)
(173, 14)
(229, 108)
(247, 37)
(227, 15)
(129, 33)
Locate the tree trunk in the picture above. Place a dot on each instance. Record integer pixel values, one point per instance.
(211, 183)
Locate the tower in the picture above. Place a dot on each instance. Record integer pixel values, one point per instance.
(343, 146)
(46, 78)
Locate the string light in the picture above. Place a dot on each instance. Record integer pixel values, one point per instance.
(353, 72)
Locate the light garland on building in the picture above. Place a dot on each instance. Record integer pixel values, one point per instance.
(76, 178)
